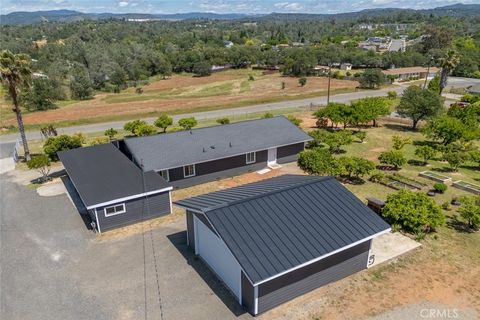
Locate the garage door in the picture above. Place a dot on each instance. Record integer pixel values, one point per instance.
(216, 254)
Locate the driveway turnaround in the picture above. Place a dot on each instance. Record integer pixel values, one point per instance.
(53, 267)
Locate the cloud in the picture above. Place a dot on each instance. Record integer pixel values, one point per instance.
(123, 4)
(289, 6)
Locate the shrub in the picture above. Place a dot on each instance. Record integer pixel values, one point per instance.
(202, 69)
(41, 163)
(361, 135)
(355, 167)
(251, 78)
(163, 122)
(317, 161)
(302, 81)
(446, 206)
(139, 90)
(145, 130)
(394, 158)
(131, 126)
(224, 120)
(99, 140)
(187, 123)
(294, 120)
(455, 159)
(425, 152)
(283, 85)
(440, 187)
(82, 137)
(377, 176)
(392, 95)
(415, 212)
(470, 211)
(334, 140)
(110, 133)
(60, 143)
(399, 142)
(267, 115)
(475, 156)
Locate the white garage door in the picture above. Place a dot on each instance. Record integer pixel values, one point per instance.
(218, 257)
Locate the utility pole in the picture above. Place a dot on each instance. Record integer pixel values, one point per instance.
(428, 72)
(329, 76)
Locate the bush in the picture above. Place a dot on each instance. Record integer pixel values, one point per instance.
(202, 69)
(334, 140)
(425, 152)
(414, 212)
(251, 78)
(399, 142)
(110, 133)
(163, 122)
(60, 143)
(317, 161)
(392, 95)
(377, 176)
(361, 135)
(187, 123)
(447, 206)
(302, 81)
(224, 120)
(82, 137)
(267, 115)
(41, 163)
(355, 167)
(394, 158)
(455, 159)
(440, 187)
(145, 130)
(131, 126)
(99, 140)
(470, 211)
(294, 120)
(139, 90)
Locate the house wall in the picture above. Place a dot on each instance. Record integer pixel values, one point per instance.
(136, 210)
(191, 229)
(289, 153)
(248, 294)
(298, 282)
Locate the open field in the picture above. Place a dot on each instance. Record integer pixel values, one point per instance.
(182, 94)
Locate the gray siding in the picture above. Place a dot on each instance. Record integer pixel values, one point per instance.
(136, 210)
(248, 295)
(310, 277)
(289, 153)
(217, 169)
(190, 230)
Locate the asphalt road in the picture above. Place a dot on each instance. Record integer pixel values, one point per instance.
(98, 127)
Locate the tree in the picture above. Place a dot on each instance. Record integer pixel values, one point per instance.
(447, 129)
(14, 73)
(418, 104)
(368, 109)
(317, 161)
(187, 123)
(164, 68)
(110, 133)
(202, 69)
(356, 167)
(60, 143)
(372, 78)
(294, 120)
(334, 140)
(475, 156)
(399, 142)
(131, 126)
(337, 113)
(440, 187)
(361, 135)
(455, 159)
(41, 95)
(81, 85)
(449, 62)
(470, 211)
(145, 130)
(302, 81)
(434, 84)
(393, 158)
(163, 122)
(224, 120)
(425, 152)
(413, 212)
(41, 163)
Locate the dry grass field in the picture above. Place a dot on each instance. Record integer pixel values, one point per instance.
(181, 94)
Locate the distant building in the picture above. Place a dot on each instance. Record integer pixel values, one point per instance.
(346, 66)
(321, 70)
(411, 72)
(227, 43)
(39, 75)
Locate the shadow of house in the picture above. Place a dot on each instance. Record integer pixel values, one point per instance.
(179, 240)
(77, 202)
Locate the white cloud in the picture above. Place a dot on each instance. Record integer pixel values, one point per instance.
(289, 6)
(123, 4)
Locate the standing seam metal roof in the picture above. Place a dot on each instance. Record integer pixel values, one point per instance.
(176, 149)
(274, 231)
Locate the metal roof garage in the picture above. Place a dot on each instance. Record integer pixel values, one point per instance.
(276, 239)
(114, 191)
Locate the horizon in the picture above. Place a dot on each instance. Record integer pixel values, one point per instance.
(248, 7)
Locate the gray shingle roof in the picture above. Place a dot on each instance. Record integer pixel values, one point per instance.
(102, 173)
(176, 149)
(274, 231)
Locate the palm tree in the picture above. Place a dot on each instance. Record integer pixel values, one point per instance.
(449, 63)
(15, 72)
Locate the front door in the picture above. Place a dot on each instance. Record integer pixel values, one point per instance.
(272, 156)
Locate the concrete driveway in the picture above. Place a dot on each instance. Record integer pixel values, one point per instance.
(53, 267)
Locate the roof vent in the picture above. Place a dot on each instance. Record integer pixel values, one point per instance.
(204, 150)
(212, 147)
(191, 131)
(230, 143)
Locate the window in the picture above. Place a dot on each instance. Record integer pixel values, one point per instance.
(251, 157)
(189, 171)
(113, 210)
(164, 174)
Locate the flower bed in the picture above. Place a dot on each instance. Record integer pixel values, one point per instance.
(410, 182)
(470, 187)
(435, 176)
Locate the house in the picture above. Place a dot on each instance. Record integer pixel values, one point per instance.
(320, 70)
(409, 73)
(114, 192)
(346, 66)
(190, 157)
(277, 239)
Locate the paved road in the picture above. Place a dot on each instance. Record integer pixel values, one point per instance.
(98, 127)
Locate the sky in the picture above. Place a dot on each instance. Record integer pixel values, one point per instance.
(218, 6)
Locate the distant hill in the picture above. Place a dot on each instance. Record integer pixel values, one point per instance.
(15, 18)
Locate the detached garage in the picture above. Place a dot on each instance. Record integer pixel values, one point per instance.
(274, 240)
(113, 190)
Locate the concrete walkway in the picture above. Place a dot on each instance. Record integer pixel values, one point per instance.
(390, 246)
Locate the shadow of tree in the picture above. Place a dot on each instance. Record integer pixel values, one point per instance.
(459, 225)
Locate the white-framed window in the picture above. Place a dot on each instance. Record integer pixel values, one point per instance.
(165, 175)
(113, 210)
(189, 171)
(250, 157)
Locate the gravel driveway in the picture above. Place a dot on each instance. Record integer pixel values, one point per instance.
(53, 267)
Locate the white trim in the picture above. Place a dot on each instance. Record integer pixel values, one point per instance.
(129, 198)
(170, 200)
(232, 155)
(116, 212)
(168, 174)
(255, 300)
(254, 157)
(98, 221)
(191, 175)
(321, 257)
